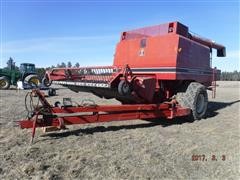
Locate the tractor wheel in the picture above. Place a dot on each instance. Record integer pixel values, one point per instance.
(196, 99)
(46, 82)
(124, 88)
(32, 80)
(4, 82)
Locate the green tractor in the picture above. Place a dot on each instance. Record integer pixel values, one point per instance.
(26, 76)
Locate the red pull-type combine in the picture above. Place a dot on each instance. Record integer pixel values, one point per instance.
(159, 65)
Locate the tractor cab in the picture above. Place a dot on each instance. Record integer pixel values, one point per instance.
(26, 69)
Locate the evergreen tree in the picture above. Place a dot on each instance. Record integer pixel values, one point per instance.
(77, 65)
(11, 64)
(63, 65)
(69, 64)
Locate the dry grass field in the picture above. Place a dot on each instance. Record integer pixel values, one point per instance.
(158, 149)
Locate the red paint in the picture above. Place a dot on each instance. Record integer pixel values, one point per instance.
(70, 115)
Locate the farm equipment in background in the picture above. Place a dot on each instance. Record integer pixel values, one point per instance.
(158, 71)
(26, 77)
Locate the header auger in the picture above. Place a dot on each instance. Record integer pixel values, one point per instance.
(158, 71)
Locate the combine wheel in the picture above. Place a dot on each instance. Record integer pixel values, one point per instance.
(4, 82)
(124, 88)
(32, 79)
(196, 99)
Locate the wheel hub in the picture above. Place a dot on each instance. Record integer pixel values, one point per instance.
(2, 83)
(125, 88)
(34, 81)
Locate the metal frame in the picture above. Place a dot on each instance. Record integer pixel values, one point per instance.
(47, 115)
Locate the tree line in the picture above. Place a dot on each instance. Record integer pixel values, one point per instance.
(230, 76)
(64, 65)
(41, 71)
(225, 76)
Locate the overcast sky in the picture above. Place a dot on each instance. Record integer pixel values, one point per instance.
(48, 32)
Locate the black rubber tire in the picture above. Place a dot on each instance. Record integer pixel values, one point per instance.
(28, 80)
(46, 82)
(195, 98)
(57, 104)
(6, 82)
(52, 92)
(124, 88)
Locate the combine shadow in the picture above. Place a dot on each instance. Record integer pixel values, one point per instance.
(213, 107)
(97, 129)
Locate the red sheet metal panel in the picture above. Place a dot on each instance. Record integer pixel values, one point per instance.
(159, 51)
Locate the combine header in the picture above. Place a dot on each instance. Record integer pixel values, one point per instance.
(158, 71)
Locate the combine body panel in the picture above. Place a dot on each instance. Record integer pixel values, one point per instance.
(166, 51)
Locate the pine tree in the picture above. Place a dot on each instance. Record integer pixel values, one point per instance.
(69, 64)
(63, 65)
(77, 65)
(11, 64)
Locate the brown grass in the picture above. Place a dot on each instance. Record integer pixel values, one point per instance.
(123, 150)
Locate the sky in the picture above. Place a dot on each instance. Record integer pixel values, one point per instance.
(48, 32)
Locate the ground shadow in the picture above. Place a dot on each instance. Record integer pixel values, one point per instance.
(212, 111)
(213, 107)
(92, 130)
